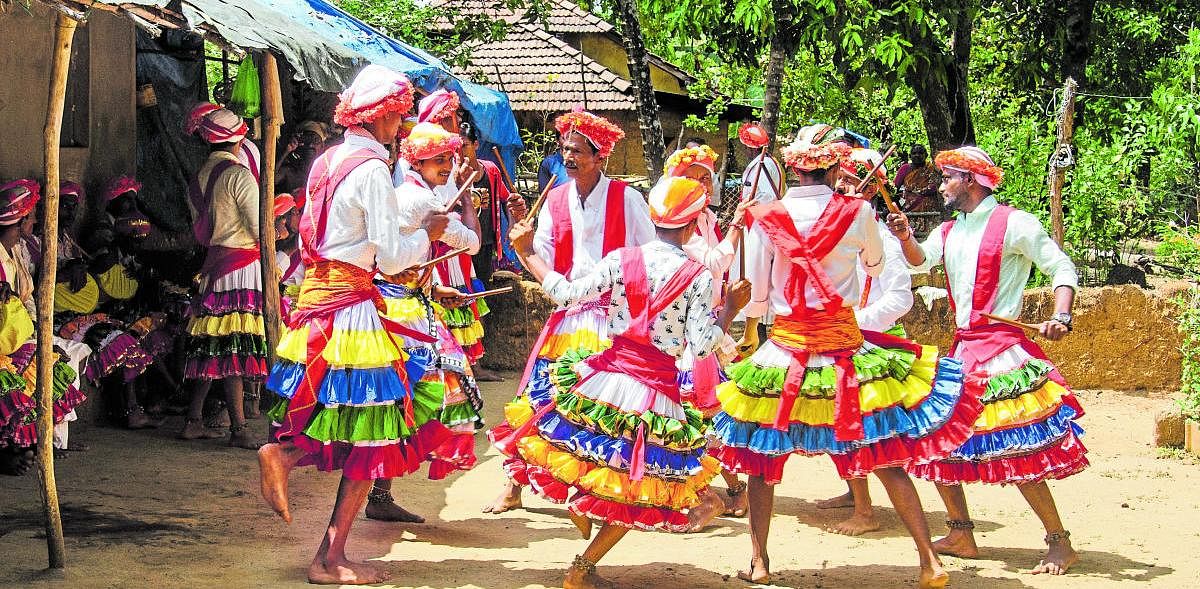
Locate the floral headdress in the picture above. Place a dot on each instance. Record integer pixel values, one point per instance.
(427, 140)
(701, 155)
(376, 91)
(971, 160)
(817, 147)
(599, 131)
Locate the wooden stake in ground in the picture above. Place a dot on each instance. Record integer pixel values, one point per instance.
(273, 104)
(64, 34)
(1062, 160)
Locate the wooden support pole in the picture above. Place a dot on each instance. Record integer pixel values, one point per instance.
(273, 104)
(1058, 173)
(64, 34)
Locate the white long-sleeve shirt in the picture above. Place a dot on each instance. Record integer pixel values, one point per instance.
(770, 180)
(587, 224)
(686, 322)
(768, 271)
(891, 293)
(364, 215)
(234, 206)
(1026, 244)
(416, 199)
(716, 255)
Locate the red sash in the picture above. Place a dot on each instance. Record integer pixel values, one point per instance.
(329, 286)
(201, 201)
(806, 253)
(561, 233)
(293, 263)
(221, 260)
(982, 341)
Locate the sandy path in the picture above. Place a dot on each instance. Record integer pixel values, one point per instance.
(145, 510)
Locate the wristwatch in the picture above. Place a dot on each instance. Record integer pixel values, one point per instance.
(1064, 318)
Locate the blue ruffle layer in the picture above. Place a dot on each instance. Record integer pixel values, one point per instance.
(599, 447)
(895, 421)
(540, 390)
(1020, 440)
(341, 386)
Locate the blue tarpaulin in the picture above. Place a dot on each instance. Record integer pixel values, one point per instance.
(328, 47)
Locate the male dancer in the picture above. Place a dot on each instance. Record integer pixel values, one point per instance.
(583, 221)
(348, 404)
(1027, 434)
(820, 385)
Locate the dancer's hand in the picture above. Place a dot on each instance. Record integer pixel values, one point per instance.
(737, 295)
(748, 343)
(448, 297)
(897, 223)
(739, 214)
(1052, 330)
(435, 224)
(521, 237)
(517, 208)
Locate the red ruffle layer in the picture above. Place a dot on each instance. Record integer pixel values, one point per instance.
(225, 367)
(743, 461)
(628, 516)
(456, 453)
(1053, 462)
(365, 463)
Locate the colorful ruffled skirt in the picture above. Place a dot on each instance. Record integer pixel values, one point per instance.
(579, 450)
(911, 408)
(115, 349)
(438, 368)
(466, 322)
(368, 421)
(1027, 431)
(226, 337)
(18, 404)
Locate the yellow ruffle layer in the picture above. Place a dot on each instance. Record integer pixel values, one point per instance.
(405, 310)
(559, 344)
(1030, 407)
(217, 326)
(117, 283)
(82, 302)
(873, 396)
(615, 485)
(468, 335)
(517, 412)
(346, 348)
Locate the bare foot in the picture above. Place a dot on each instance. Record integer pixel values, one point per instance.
(218, 420)
(250, 409)
(1059, 558)
(934, 577)
(195, 430)
(960, 543)
(709, 508)
(758, 572)
(582, 523)
(737, 505)
(274, 464)
(243, 438)
(137, 419)
(509, 500)
(857, 525)
(345, 572)
(581, 579)
(846, 500)
(388, 511)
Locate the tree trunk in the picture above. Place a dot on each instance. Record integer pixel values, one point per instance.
(940, 84)
(653, 147)
(1077, 50)
(773, 78)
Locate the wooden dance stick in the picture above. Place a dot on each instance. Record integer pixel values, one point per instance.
(461, 190)
(441, 258)
(762, 158)
(999, 319)
(487, 293)
(512, 187)
(863, 182)
(537, 204)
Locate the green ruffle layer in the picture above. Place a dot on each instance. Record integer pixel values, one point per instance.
(461, 317)
(673, 433)
(821, 383)
(371, 423)
(64, 376)
(458, 414)
(237, 344)
(11, 381)
(1010, 385)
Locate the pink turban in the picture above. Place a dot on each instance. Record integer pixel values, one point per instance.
(120, 186)
(375, 92)
(215, 124)
(17, 199)
(599, 131)
(437, 106)
(971, 160)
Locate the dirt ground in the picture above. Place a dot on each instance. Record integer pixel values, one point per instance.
(144, 510)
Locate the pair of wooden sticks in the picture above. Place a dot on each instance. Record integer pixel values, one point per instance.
(537, 205)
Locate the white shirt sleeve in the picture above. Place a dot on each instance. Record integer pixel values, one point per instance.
(894, 288)
(872, 252)
(760, 254)
(458, 235)
(933, 248)
(1031, 240)
(638, 228)
(602, 279)
(381, 209)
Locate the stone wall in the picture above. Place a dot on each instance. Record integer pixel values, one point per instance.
(1124, 337)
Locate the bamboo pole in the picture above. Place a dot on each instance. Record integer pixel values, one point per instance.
(537, 204)
(64, 34)
(273, 104)
(1058, 174)
(512, 187)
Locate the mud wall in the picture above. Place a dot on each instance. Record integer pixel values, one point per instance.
(1124, 337)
